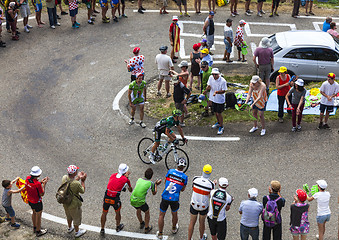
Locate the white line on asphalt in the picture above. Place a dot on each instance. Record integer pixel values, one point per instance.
(316, 25)
(117, 98)
(171, 11)
(97, 229)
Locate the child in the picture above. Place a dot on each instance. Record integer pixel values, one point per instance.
(183, 76)
(7, 200)
(239, 40)
(73, 11)
(2, 44)
(324, 212)
(138, 198)
(38, 7)
(12, 17)
(299, 216)
(298, 93)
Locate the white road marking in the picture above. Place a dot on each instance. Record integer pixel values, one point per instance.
(216, 139)
(316, 25)
(170, 11)
(97, 229)
(253, 47)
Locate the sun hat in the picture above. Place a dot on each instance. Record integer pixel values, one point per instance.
(223, 182)
(331, 75)
(181, 162)
(265, 42)
(255, 79)
(183, 64)
(123, 168)
(253, 192)
(322, 184)
(136, 50)
(215, 71)
(163, 48)
(205, 50)
(211, 13)
(203, 40)
(175, 18)
(302, 195)
(282, 69)
(300, 82)
(72, 169)
(242, 21)
(35, 171)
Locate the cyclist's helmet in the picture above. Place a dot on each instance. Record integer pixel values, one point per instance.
(176, 112)
(181, 162)
(301, 195)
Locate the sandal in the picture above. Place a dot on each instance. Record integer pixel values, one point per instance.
(148, 229)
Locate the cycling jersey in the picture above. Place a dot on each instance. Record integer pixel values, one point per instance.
(201, 192)
(218, 202)
(138, 197)
(175, 181)
(166, 123)
(115, 185)
(137, 94)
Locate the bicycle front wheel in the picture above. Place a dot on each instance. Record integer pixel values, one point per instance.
(170, 159)
(144, 149)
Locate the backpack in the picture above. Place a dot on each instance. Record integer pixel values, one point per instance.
(231, 100)
(64, 194)
(270, 214)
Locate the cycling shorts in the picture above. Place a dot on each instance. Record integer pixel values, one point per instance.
(165, 204)
(158, 132)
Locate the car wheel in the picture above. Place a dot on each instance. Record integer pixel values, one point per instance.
(274, 76)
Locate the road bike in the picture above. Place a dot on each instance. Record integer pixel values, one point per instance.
(170, 151)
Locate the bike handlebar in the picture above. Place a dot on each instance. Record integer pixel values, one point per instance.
(183, 142)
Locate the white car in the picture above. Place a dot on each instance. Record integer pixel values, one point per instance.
(309, 54)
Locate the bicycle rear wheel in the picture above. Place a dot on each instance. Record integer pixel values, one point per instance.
(144, 149)
(170, 159)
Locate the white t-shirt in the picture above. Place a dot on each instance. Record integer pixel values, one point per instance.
(329, 90)
(323, 200)
(217, 85)
(218, 202)
(164, 63)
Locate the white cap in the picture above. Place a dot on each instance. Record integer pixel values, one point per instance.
(322, 184)
(255, 79)
(223, 182)
(123, 168)
(253, 192)
(300, 82)
(215, 71)
(35, 171)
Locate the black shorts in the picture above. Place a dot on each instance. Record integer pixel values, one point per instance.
(239, 49)
(196, 212)
(158, 132)
(218, 228)
(218, 107)
(36, 206)
(323, 107)
(143, 208)
(111, 201)
(164, 205)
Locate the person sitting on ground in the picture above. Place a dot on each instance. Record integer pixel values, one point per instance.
(299, 216)
(179, 92)
(195, 68)
(326, 24)
(138, 198)
(137, 96)
(332, 30)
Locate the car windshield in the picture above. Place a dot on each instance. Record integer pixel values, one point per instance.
(274, 44)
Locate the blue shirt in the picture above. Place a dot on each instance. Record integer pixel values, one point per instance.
(251, 210)
(208, 58)
(178, 180)
(326, 26)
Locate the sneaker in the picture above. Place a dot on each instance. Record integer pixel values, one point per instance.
(220, 131)
(131, 121)
(80, 233)
(76, 23)
(317, 236)
(148, 229)
(175, 229)
(205, 114)
(58, 17)
(142, 8)
(29, 26)
(58, 24)
(115, 19)
(105, 20)
(64, 13)
(232, 14)
(102, 232)
(259, 14)
(142, 225)
(253, 129)
(120, 227)
(75, 26)
(69, 230)
(249, 11)
(320, 125)
(159, 93)
(142, 124)
(182, 124)
(263, 12)
(204, 237)
(168, 95)
(95, 11)
(151, 158)
(281, 120)
(236, 13)
(2, 44)
(271, 15)
(124, 16)
(15, 225)
(216, 125)
(298, 128)
(276, 14)
(15, 38)
(159, 235)
(140, 11)
(26, 29)
(248, 14)
(90, 22)
(325, 126)
(41, 232)
(263, 132)
(294, 129)
(187, 15)
(180, 15)
(53, 27)
(7, 219)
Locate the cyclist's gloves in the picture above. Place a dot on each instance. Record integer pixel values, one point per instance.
(176, 142)
(185, 140)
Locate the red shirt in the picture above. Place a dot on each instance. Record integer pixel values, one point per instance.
(283, 91)
(34, 190)
(115, 185)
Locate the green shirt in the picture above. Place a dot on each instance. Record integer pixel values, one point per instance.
(76, 188)
(138, 197)
(205, 77)
(137, 94)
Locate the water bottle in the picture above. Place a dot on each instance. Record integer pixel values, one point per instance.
(160, 148)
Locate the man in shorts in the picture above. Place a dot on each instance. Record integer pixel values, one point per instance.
(137, 96)
(183, 2)
(259, 8)
(165, 64)
(179, 92)
(90, 19)
(176, 181)
(329, 89)
(138, 198)
(217, 87)
(202, 186)
(228, 40)
(25, 12)
(208, 30)
(309, 5)
(116, 184)
(104, 8)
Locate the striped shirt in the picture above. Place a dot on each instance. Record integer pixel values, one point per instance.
(201, 192)
(263, 99)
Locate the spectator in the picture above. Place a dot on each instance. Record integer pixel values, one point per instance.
(140, 8)
(274, 195)
(239, 40)
(296, 6)
(195, 68)
(174, 37)
(228, 40)
(248, 12)
(202, 186)
(2, 44)
(123, 6)
(94, 11)
(115, 185)
(217, 87)
(208, 30)
(250, 211)
(7, 200)
(135, 65)
(323, 210)
(275, 5)
(90, 20)
(176, 181)
(104, 8)
(138, 198)
(183, 75)
(309, 2)
(52, 16)
(257, 91)
(299, 216)
(62, 12)
(259, 8)
(38, 7)
(328, 90)
(35, 191)
(25, 12)
(73, 11)
(203, 43)
(206, 72)
(12, 17)
(137, 96)
(209, 5)
(326, 24)
(332, 30)
(298, 93)
(114, 7)
(183, 2)
(197, 6)
(206, 57)
(163, 8)
(233, 7)
(5, 4)
(282, 82)
(216, 215)
(165, 64)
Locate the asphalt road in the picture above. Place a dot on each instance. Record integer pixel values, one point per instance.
(57, 91)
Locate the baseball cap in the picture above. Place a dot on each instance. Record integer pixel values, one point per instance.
(204, 63)
(211, 13)
(215, 71)
(205, 50)
(253, 192)
(223, 182)
(183, 64)
(282, 69)
(255, 79)
(302, 195)
(300, 82)
(35, 171)
(123, 168)
(242, 21)
(163, 48)
(229, 20)
(265, 42)
(331, 75)
(181, 162)
(175, 18)
(196, 46)
(72, 169)
(203, 40)
(136, 50)
(322, 184)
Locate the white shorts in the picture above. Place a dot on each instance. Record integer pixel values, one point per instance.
(24, 10)
(165, 77)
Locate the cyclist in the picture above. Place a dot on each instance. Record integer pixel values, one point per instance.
(164, 126)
